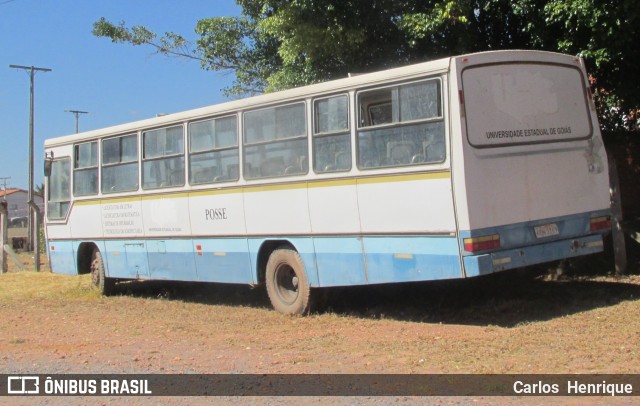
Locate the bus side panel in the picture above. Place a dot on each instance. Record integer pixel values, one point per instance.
(171, 259)
(417, 203)
(121, 218)
(62, 257)
(126, 259)
(333, 207)
(223, 260)
(217, 213)
(271, 209)
(61, 254)
(166, 217)
(340, 261)
(409, 259)
(82, 220)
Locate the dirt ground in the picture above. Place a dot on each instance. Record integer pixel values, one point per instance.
(509, 323)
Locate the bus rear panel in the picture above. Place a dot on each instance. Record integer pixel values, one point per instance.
(532, 171)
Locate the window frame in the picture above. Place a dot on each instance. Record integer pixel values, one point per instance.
(398, 85)
(395, 87)
(191, 154)
(248, 145)
(144, 160)
(69, 191)
(86, 169)
(104, 165)
(315, 134)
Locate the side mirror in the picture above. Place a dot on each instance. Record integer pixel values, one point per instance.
(48, 162)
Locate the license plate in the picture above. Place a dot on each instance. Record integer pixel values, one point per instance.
(546, 230)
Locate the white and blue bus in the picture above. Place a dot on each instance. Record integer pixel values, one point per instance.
(453, 168)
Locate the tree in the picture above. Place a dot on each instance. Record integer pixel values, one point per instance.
(278, 44)
(605, 33)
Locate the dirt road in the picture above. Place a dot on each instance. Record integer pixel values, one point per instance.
(504, 324)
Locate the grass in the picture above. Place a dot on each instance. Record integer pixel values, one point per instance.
(504, 323)
(27, 286)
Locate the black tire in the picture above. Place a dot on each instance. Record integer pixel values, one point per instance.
(287, 284)
(105, 285)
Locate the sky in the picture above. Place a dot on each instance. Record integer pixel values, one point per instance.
(115, 83)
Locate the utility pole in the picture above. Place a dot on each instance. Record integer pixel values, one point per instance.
(4, 181)
(34, 232)
(76, 113)
(4, 227)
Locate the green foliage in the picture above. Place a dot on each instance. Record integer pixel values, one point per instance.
(278, 44)
(169, 44)
(605, 33)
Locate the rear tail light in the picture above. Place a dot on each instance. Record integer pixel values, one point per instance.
(600, 223)
(487, 242)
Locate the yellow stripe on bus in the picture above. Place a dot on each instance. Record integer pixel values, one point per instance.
(270, 188)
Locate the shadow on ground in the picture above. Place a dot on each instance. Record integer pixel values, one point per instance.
(504, 299)
(501, 300)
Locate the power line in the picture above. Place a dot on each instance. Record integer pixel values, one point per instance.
(6, 2)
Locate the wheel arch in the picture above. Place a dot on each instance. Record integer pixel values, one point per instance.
(84, 256)
(264, 252)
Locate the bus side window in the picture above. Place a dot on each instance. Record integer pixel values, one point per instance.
(401, 125)
(85, 169)
(120, 165)
(331, 138)
(213, 150)
(275, 140)
(59, 190)
(163, 158)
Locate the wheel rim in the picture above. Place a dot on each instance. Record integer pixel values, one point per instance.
(286, 282)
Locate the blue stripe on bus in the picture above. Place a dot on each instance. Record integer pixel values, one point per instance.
(223, 260)
(523, 234)
(340, 261)
(532, 255)
(126, 259)
(520, 247)
(406, 259)
(329, 261)
(62, 257)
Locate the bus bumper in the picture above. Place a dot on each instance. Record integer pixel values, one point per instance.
(475, 265)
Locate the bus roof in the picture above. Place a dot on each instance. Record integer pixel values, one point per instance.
(339, 85)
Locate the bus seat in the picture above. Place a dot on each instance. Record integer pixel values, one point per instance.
(342, 160)
(399, 152)
(435, 151)
(272, 167)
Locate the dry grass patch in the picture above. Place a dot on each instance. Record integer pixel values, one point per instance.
(506, 323)
(28, 285)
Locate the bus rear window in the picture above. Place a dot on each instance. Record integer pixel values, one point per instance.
(525, 103)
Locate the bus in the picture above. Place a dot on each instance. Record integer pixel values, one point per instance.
(453, 168)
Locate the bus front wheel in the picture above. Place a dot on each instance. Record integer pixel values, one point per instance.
(287, 284)
(105, 285)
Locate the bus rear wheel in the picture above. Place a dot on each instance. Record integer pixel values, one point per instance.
(98, 278)
(287, 284)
